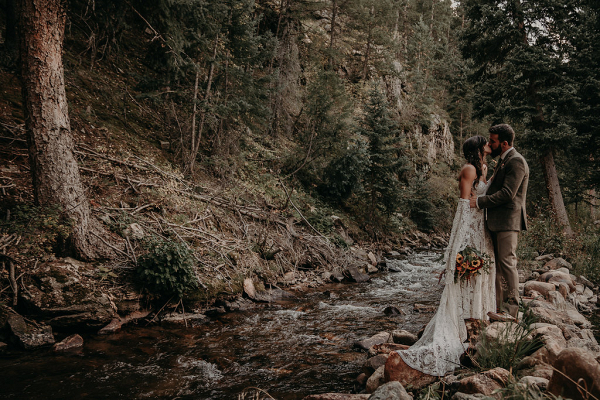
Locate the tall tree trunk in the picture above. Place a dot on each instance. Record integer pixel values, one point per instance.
(554, 193)
(334, 10)
(55, 173)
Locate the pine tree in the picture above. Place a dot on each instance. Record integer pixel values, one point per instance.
(522, 75)
(386, 161)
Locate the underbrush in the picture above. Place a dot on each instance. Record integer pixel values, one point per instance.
(582, 250)
(514, 342)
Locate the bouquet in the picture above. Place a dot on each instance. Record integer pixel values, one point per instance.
(470, 262)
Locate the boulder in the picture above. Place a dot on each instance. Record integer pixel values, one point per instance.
(390, 391)
(503, 332)
(64, 294)
(366, 344)
(28, 335)
(375, 380)
(485, 383)
(69, 343)
(540, 383)
(354, 275)
(401, 336)
(373, 363)
(337, 396)
(397, 370)
(541, 287)
(557, 263)
(558, 276)
(575, 365)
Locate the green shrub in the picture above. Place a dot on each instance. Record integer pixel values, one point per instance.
(167, 268)
(42, 229)
(513, 344)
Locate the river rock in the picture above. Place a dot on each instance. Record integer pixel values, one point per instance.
(401, 336)
(558, 276)
(64, 294)
(366, 344)
(485, 383)
(372, 258)
(69, 343)
(541, 287)
(574, 365)
(397, 370)
(502, 332)
(386, 348)
(28, 335)
(373, 363)
(557, 263)
(354, 275)
(362, 379)
(337, 396)
(375, 380)
(540, 383)
(3, 347)
(390, 391)
(582, 279)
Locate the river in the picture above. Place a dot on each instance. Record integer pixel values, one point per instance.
(288, 350)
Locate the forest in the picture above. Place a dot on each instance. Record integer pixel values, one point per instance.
(182, 147)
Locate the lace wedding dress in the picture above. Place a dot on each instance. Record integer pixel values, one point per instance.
(443, 341)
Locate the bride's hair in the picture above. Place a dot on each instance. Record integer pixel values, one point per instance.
(473, 152)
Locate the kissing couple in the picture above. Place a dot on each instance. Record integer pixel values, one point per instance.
(480, 260)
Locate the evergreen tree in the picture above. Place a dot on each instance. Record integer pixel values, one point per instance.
(386, 161)
(522, 75)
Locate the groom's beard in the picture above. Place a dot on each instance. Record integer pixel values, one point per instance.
(496, 152)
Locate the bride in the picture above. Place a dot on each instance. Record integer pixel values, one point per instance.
(443, 341)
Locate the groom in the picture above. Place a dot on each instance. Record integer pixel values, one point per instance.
(504, 203)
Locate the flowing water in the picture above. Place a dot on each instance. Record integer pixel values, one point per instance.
(290, 350)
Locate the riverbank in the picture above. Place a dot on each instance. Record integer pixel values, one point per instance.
(549, 351)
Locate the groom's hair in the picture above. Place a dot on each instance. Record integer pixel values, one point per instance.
(504, 132)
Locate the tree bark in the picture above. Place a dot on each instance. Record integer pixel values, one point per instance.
(55, 172)
(554, 192)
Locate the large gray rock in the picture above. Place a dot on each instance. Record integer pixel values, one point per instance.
(354, 275)
(402, 336)
(28, 335)
(64, 294)
(390, 391)
(575, 365)
(540, 383)
(486, 383)
(375, 380)
(373, 363)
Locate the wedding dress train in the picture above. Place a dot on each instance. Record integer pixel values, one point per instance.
(438, 350)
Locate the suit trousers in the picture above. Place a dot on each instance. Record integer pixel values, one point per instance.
(507, 277)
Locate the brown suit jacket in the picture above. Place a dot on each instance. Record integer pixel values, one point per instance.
(505, 198)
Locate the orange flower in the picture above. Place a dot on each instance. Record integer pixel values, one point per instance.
(459, 258)
(476, 263)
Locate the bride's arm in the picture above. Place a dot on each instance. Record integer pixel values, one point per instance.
(467, 175)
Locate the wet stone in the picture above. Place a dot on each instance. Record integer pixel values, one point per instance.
(404, 337)
(27, 335)
(366, 344)
(390, 391)
(69, 343)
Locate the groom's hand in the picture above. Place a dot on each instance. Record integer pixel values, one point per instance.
(473, 201)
